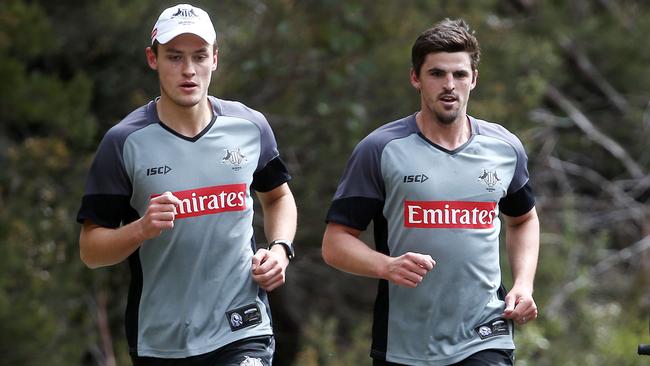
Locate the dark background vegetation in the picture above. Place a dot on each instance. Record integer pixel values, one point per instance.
(571, 78)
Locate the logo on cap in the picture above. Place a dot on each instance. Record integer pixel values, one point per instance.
(187, 13)
(180, 19)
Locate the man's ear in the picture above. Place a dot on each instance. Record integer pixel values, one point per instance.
(215, 59)
(152, 59)
(475, 79)
(415, 80)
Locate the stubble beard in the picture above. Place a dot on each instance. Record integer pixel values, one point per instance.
(446, 117)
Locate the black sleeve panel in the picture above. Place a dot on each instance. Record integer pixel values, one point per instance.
(107, 210)
(519, 202)
(273, 175)
(355, 212)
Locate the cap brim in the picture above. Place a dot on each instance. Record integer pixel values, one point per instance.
(168, 36)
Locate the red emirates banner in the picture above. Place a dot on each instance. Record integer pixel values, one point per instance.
(210, 200)
(449, 214)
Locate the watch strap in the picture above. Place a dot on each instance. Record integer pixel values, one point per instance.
(287, 245)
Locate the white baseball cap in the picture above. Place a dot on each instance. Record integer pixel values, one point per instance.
(183, 18)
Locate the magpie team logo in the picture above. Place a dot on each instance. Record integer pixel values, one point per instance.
(236, 320)
(489, 178)
(493, 328)
(243, 317)
(185, 13)
(248, 361)
(484, 331)
(234, 157)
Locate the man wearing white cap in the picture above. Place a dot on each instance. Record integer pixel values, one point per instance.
(170, 190)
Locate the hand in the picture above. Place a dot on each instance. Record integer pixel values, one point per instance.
(269, 268)
(409, 269)
(520, 306)
(159, 216)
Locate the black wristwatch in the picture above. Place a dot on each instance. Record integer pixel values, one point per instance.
(288, 247)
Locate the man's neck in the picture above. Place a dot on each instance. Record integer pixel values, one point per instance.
(187, 121)
(449, 136)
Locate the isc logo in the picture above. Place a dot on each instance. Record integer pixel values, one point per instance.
(419, 178)
(159, 170)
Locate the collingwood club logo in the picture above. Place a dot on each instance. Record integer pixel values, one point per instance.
(489, 178)
(234, 157)
(493, 328)
(484, 331)
(185, 13)
(236, 320)
(248, 361)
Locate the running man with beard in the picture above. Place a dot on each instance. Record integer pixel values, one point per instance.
(434, 183)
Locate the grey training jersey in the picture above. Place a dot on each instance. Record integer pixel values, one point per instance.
(426, 199)
(191, 290)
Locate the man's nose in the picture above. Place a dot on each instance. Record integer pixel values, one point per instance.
(188, 67)
(449, 83)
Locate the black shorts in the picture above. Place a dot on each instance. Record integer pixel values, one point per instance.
(488, 357)
(257, 351)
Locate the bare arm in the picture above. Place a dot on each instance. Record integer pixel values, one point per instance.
(280, 213)
(343, 250)
(522, 245)
(100, 246)
(280, 221)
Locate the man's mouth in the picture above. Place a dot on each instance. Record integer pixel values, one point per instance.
(188, 84)
(448, 98)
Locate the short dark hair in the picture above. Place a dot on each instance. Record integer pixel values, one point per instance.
(448, 35)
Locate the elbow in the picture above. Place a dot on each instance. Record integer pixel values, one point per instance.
(85, 258)
(87, 249)
(336, 240)
(327, 252)
(84, 254)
